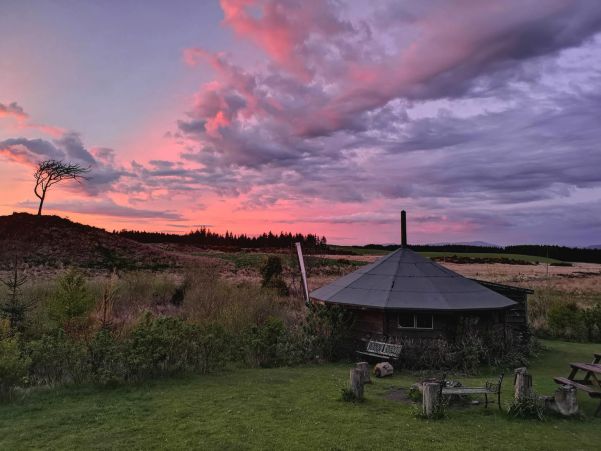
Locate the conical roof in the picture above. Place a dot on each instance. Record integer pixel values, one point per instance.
(406, 280)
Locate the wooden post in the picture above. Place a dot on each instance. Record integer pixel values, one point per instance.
(523, 384)
(430, 393)
(356, 383)
(364, 368)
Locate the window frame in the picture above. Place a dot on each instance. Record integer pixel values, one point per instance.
(415, 322)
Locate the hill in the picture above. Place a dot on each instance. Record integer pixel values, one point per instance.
(52, 241)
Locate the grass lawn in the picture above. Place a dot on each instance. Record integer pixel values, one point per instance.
(286, 408)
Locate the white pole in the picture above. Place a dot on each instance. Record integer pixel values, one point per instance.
(301, 263)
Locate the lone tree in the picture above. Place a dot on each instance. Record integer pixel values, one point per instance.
(50, 172)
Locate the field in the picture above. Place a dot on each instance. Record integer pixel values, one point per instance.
(487, 255)
(286, 408)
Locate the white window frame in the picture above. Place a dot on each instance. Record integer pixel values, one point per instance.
(415, 322)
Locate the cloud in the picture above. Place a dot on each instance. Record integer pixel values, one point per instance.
(431, 105)
(105, 207)
(69, 147)
(13, 109)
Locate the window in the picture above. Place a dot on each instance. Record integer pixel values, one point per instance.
(424, 321)
(406, 320)
(416, 321)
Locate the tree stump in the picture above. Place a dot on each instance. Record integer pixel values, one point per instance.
(364, 368)
(356, 383)
(522, 383)
(564, 401)
(383, 369)
(430, 394)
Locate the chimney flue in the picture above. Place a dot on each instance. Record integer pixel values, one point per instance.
(403, 229)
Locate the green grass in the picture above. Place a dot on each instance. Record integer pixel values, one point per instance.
(286, 408)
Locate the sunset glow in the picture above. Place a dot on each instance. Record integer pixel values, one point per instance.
(481, 119)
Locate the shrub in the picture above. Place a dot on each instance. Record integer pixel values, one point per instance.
(566, 321)
(271, 269)
(13, 366)
(261, 343)
(330, 327)
(56, 359)
(163, 346)
(591, 318)
(107, 363)
(528, 407)
(271, 273)
(71, 300)
(347, 395)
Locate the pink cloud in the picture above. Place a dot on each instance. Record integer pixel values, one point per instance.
(14, 110)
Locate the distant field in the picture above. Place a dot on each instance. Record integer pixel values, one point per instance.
(359, 250)
(529, 258)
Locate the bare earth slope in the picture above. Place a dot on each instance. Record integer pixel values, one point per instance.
(54, 242)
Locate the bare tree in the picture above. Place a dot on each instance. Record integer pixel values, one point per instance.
(50, 172)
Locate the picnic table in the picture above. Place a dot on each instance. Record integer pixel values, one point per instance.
(590, 382)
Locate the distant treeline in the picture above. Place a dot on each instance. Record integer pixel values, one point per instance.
(205, 238)
(571, 254)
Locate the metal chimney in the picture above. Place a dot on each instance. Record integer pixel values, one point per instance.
(403, 229)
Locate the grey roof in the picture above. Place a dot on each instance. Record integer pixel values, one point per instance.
(406, 280)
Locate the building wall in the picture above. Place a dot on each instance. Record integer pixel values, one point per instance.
(384, 325)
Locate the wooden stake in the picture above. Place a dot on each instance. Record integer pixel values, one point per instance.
(356, 383)
(523, 384)
(430, 394)
(364, 368)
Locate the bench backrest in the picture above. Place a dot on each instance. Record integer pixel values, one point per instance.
(387, 349)
(393, 350)
(377, 347)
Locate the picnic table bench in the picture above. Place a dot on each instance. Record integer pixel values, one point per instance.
(590, 383)
(489, 388)
(382, 350)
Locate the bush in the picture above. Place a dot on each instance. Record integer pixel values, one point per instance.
(347, 395)
(271, 273)
(162, 346)
(107, 364)
(527, 408)
(13, 366)
(566, 321)
(71, 300)
(329, 326)
(56, 359)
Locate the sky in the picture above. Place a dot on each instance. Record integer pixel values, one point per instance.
(481, 119)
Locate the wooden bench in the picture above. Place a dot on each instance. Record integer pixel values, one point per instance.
(382, 350)
(490, 388)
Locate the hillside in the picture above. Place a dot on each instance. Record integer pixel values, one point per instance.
(52, 241)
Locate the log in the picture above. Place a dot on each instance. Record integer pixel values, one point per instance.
(564, 402)
(522, 383)
(430, 393)
(364, 368)
(356, 383)
(383, 369)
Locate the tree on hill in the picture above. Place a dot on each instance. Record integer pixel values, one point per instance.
(51, 172)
